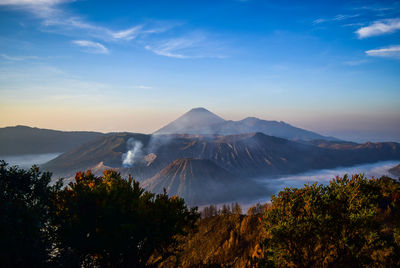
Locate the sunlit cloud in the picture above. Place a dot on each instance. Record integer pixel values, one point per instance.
(387, 52)
(91, 47)
(380, 27)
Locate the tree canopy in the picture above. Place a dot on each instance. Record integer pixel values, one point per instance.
(24, 210)
(104, 221)
(352, 222)
(110, 221)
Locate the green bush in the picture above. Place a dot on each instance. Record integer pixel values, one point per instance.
(352, 222)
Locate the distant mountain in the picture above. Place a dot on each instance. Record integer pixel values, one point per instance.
(204, 122)
(245, 156)
(21, 140)
(107, 150)
(200, 181)
(196, 121)
(395, 170)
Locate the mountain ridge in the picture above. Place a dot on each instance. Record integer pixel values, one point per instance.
(244, 155)
(18, 140)
(202, 121)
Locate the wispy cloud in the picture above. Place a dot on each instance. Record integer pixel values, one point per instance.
(380, 27)
(187, 47)
(128, 34)
(19, 58)
(52, 15)
(55, 18)
(30, 2)
(354, 62)
(172, 48)
(355, 24)
(91, 47)
(339, 17)
(387, 52)
(143, 87)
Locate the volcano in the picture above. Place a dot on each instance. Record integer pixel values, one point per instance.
(203, 122)
(201, 181)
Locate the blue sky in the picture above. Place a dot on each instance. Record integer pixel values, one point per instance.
(327, 66)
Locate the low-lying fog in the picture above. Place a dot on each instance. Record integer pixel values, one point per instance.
(276, 184)
(27, 160)
(272, 184)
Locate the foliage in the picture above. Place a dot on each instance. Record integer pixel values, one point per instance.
(24, 210)
(212, 210)
(107, 221)
(353, 222)
(224, 240)
(112, 222)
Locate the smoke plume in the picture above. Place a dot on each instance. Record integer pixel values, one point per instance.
(133, 154)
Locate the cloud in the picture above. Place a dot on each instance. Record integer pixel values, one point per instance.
(143, 87)
(380, 27)
(19, 58)
(355, 62)
(339, 17)
(91, 47)
(188, 47)
(320, 20)
(57, 20)
(172, 48)
(30, 2)
(128, 34)
(388, 52)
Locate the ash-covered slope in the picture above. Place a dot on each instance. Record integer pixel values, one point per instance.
(201, 181)
(107, 150)
(395, 170)
(21, 140)
(204, 122)
(245, 156)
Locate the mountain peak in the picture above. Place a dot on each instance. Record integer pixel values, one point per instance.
(199, 109)
(203, 122)
(196, 121)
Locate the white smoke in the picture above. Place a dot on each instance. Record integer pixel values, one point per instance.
(157, 141)
(133, 154)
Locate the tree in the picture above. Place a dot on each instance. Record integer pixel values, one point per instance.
(236, 208)
(210, 211)
(346, 224)
(109, 221)
(24, 210)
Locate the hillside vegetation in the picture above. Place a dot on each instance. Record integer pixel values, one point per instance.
(108, 221)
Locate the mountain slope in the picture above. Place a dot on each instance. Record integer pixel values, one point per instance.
(200, 181)
(107, 149)
(244, 156)
(196, 121)
(204, 122)
(272, 128)
(395, 170)
(21, 140)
